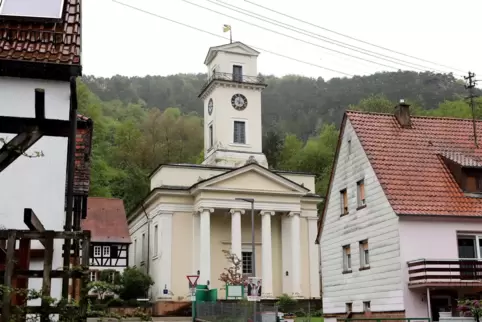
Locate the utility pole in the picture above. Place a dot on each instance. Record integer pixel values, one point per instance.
(471, 82)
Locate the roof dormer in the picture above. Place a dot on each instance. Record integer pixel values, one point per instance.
(466, 169)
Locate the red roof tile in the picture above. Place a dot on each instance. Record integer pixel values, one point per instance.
(47, 42)
(107, 221)
(409, 165)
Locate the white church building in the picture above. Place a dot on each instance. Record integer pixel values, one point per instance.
(195, 211)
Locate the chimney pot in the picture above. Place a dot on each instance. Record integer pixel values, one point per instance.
(402, 113)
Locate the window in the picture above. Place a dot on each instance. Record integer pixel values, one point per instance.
(143, 249)
(360, 188)
(366, 306)
(239, 132)
(93, 276)
(237, 73)
(135, 251)
(214, 72)
(97, 250)
(211, 139)
(247, 262)
(344, 202)
(364, 255)
(106, 251)
(346, 258)
(349, 146)
(348, 307)
(156, 240)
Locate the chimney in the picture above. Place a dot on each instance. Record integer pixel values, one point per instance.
(402, 113)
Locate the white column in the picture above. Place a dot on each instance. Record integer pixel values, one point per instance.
(314, 257)
(236, 232)
(165, 271)
(205, 245)
(295, 255)
(196, 221)
(267, 256)
(286, 253)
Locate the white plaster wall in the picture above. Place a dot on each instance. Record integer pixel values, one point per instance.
(382, 283)
(37, 183)
(224, 115)
(224, 61)
(440, 243)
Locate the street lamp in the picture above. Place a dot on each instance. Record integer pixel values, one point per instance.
(253, 250)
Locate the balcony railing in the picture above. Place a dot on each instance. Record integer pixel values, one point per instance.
(236, 78)
(460, 271)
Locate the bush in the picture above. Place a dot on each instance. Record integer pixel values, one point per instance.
(135, 284)
(286, 303)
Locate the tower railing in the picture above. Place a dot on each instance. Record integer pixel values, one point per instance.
(236, 78)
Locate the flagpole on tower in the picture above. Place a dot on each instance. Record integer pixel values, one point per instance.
(227, 28)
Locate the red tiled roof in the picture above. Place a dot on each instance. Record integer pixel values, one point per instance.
(107, 221)
(82, 158)
(47, 42)
(408, 161)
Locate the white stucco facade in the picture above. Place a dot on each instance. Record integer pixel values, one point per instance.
(193, 211)
(37, 183)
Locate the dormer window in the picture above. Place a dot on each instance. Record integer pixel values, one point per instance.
(465, 169)
(473, 182)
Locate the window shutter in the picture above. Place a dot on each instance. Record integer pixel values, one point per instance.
(471, 184)
(345, 199)
(365, 246)
(347, 250)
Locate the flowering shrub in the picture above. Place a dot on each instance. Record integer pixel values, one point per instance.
(470, 308)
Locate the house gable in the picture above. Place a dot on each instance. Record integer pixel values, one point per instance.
(252, 177)
(376, 222)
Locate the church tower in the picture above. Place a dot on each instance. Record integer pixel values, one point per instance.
(232, 107)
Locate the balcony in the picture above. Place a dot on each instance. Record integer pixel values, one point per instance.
(234, 78)
(433, 272)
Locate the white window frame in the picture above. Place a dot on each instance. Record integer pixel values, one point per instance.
(349, 307)
(364, 263)
(97, 251)
(347, 259)
(246, 136)
(366, 306)
(361, 202)
(93, 276)
(106, 251)
(477, 237)
(348, 141)
(211, 135)
(156, 240)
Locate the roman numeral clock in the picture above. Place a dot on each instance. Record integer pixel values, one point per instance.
(239, 102)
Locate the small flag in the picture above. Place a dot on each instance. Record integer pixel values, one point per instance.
(226, 28)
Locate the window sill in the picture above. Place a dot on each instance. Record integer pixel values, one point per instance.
(343, 215)
(240, 145)
(364, 268)
(361, 207)
(347, 272)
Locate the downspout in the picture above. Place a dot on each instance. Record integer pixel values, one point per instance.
(148, 239)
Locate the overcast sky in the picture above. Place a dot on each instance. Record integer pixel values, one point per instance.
(120, 40)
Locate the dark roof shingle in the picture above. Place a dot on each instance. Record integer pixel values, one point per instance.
(42, 41)
(106, 219)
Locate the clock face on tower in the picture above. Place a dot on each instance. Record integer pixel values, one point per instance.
(210, 106)
(239, 102)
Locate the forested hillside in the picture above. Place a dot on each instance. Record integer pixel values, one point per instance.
(141, 122)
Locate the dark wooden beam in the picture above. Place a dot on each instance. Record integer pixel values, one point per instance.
(32, 221)
(58, 128)
(41, 235)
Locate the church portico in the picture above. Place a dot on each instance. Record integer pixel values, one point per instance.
(211, 203)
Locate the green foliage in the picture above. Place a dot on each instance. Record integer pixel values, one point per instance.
(286, 303)
(135, 284)
(142, 122)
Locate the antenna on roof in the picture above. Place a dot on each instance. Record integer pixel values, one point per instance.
(470, 87)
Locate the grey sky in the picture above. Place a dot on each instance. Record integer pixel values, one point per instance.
(121, 40)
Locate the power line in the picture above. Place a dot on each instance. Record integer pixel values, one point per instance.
(352, 38)
(323, 38)
(219, 36)
(288, 36)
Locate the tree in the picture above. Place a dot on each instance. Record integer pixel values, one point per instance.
(232, 275)
(134, 284)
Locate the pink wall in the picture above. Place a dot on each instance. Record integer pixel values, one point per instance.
(429, 238)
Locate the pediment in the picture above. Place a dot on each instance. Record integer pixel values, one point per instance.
(236, 47)
(253, 178)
